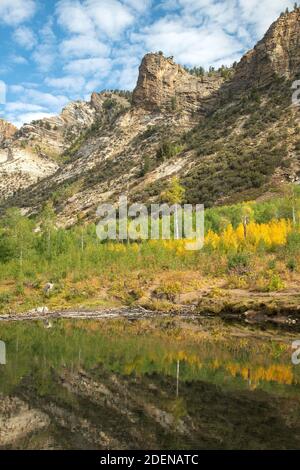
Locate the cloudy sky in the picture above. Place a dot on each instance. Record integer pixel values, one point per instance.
(54, 51)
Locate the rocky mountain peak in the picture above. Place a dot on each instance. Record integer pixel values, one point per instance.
(164, 85)
(277, 54)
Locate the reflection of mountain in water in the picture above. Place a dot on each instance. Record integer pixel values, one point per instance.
(102, 410)
(113, 385)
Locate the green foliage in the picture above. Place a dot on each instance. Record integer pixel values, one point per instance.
(175, 192)
(275, 283)
(33, 252)
(109, 104)
(168, 150)
(292, 264)
(223, 71)
(146, 166)
(293, 242)
(65, 191)
(6, 249)
(238, 262)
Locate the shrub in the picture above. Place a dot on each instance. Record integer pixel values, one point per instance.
(239, 262)
(292, 264)
(293, 242)
(167, 150)
(275, 283)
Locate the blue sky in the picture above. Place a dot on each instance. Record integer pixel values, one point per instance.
(54, 51)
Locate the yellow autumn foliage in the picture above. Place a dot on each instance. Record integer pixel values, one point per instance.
(274, 233)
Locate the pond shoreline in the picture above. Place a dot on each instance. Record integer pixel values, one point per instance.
(236, 310)
(111, 313)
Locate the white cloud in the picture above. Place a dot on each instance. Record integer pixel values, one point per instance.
(36, 97)
(261, 13)
(44, 57)
(73, 16)
(45, 53)
(254, 15)
(20, 106)
(16, 89)
(47, 100)
(88, 16)
(126, 68)
(91, 86)
(67, 83)
(126, 78)
(95, 27)
(109, 16)
(139, 5)
(82, 46)
(25, 37)
(190, 45)
(98, 66)
(14, 12)
(210, 32)
(19, 60)
(31, 104)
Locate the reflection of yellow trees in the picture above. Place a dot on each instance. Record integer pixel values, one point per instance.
(141, 349)
(273, 233)
(184, 356)
(279, 373)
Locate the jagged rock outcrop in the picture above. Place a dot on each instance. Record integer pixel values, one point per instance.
(7, 130)
(35, 151)
(164, 85)
(51, 136)
(277, 54)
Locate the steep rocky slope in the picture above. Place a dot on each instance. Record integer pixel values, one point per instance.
(277, 54)
(38, 149)
(228, 139)
(250, 143)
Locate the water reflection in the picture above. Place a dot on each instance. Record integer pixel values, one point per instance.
(156, 384)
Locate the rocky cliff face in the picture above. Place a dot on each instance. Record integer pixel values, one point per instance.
(164, 85)
(36, 151)
(277, 54)
(7, 130)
